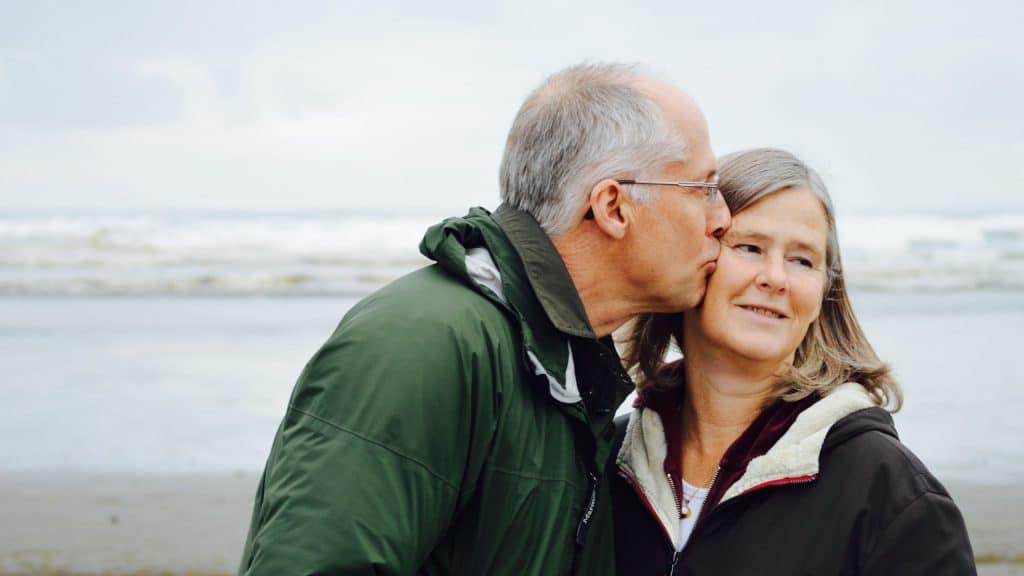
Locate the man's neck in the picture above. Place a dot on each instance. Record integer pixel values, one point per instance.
(599, 288)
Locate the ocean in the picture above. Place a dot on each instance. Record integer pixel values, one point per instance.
(184, 385)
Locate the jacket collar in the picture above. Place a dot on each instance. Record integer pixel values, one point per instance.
(797, 453)
(530, 281)
(545, 271)
(782, 445)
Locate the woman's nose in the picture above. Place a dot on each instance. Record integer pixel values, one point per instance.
(772, 276)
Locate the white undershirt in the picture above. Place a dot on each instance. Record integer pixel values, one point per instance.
(696, 504)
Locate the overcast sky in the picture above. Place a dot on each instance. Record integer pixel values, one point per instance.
(377, 106)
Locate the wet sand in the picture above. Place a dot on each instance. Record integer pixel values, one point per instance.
(77, 523)
(87, 524)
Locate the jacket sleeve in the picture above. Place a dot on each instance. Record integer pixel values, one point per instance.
(928, 537)
(364, 474)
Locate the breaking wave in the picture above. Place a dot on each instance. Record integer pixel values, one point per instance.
(352, 255)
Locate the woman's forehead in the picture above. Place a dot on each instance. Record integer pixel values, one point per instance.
(794, 216)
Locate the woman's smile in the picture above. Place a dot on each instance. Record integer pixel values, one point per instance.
(763, 311)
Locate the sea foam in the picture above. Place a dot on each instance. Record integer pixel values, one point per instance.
(352, 255)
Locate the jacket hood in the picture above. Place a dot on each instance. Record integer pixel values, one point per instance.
(860, 422)
(509, 259)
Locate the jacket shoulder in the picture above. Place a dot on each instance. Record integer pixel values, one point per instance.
(917, 528)
(424, 341)
(429, 294)
(866, 445)
(905, 519)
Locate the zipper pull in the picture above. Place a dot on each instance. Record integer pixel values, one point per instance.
(588, 514)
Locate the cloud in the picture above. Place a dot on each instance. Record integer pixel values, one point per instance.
(396, 105)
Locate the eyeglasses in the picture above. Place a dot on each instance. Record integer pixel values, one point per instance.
(710, 188)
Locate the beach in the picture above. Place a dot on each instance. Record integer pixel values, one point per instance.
(90, 524)
(133, 429)
(62, 522)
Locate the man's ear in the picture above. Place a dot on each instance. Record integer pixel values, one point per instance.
(610, 208)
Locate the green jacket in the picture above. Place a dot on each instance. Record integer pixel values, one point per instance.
(445, 427)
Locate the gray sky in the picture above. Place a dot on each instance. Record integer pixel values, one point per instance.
(348, 106)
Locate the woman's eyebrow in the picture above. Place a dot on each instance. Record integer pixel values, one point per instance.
(805, 246)
(801, 245)
(741, 234)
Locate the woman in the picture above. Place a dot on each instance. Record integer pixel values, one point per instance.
(767, 449)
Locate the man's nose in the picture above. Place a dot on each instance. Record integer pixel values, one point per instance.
(719, 219)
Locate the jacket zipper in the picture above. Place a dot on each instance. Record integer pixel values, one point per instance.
(588, 514)
(679, 513)
(679, 506)
(675, 496)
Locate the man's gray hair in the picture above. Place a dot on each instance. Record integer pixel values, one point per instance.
(582, 125)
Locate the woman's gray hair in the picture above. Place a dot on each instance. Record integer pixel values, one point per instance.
(751, 175)
(834, 350)
(584, 124)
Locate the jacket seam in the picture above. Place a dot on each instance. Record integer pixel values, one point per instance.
(881, 537)
(539, 478)
(909, 461)
(391, 449)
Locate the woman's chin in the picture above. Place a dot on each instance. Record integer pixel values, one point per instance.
(759, 351)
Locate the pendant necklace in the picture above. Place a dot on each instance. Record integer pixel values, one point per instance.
(684, 509)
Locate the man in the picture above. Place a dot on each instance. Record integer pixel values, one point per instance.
(459, 419)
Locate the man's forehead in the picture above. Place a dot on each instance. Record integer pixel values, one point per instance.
(684, 115)
(702, 167)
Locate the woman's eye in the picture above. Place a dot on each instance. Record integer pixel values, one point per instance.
(806, 263)
(749, 248)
